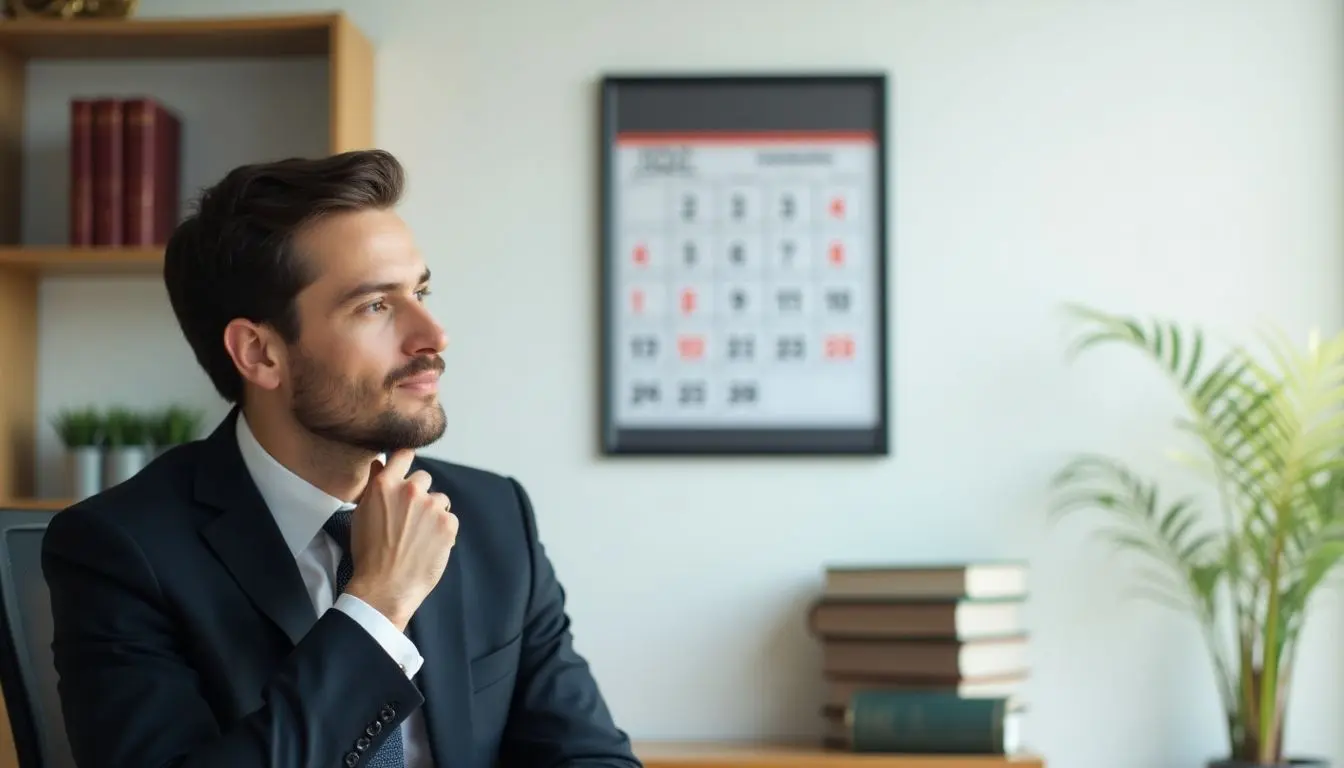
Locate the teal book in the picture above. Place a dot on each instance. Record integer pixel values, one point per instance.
(929, 722)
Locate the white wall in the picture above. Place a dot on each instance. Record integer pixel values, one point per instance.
(1180, 158)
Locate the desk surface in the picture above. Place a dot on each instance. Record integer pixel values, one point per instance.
(727, 754)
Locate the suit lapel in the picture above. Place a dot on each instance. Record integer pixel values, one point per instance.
(438, 630)
(245, 538)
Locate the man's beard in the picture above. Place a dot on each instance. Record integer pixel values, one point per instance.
(338, 410)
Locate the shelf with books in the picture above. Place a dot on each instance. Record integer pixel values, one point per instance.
(232, 80)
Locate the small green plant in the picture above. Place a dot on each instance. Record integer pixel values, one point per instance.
(174, 425)
(79, 427)
(1271, 437)
(124, 427)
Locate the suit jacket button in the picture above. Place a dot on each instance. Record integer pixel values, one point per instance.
(351, 758)
(374, 728)
(363, 743)
(387, 714)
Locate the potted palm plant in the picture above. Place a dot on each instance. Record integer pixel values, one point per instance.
(1269, 430)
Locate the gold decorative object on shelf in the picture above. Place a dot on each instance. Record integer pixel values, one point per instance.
(70, 9)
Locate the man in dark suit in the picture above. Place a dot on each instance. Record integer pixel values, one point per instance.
(299, 588)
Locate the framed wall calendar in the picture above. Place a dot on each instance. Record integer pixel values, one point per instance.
(744, 264)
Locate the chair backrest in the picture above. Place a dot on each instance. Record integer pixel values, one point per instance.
(27, 673)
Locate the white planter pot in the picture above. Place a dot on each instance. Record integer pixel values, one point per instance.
(122, 462)
(84, 471)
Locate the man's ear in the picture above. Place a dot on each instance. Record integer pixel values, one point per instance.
(256, 353)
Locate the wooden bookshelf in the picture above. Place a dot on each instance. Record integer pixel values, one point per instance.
(712, 754)
(64, 260)
(268, 36)
(349, 59)
(350, 64)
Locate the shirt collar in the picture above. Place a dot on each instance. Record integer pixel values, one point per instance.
(300, 508)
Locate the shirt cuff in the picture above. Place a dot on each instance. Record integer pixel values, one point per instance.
(397, 644)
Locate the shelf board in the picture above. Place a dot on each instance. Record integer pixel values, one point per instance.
(137, 38)
(60, 259)
(49, 505)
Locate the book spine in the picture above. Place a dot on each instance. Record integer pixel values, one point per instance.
(926, 723)
(107, 174)
(168, 202)
(139, 171)
(81, 172)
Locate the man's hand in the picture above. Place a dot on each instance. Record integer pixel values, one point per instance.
(400, 539)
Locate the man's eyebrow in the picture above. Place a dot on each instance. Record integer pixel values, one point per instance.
(366, 288)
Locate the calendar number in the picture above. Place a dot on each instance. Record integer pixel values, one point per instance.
(837, 207)
(789, 299)
(665, 160)
(738, 300)
(688, 301)
(838, 300)
(789, 348)
(839, 348)
(644, 347)
(689, 253)
(741, 347)
(835, 254)
(737, 254)
(691, 393)
(742, 393)
(738, 207)
(645, 394)
(691, 347)
(689, 207)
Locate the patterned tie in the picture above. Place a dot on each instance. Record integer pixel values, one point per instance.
(391, 754)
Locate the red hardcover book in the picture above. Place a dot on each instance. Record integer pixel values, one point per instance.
(107, 172)
(81, 172)
(151, 164)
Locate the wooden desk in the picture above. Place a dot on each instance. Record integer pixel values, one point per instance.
(695, 754)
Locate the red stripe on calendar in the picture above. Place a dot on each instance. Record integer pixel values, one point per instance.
(645, 138)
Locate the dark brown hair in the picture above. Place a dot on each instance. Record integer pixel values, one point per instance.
(234, 257)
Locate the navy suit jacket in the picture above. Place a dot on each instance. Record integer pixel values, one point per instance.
(184, 636)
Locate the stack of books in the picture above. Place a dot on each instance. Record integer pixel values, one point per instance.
(923, 658)
(125, 166)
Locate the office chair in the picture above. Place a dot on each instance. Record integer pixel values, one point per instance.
(27, 673)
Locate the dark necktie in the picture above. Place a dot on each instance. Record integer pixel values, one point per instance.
(390, 755)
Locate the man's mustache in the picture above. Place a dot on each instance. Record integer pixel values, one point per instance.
(414, 368)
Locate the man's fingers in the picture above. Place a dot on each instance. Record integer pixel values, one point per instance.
(420, 480)
(399, 463)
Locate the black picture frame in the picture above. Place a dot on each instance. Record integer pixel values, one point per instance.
(851, 103)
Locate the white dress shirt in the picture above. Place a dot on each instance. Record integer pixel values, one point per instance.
(300, 510)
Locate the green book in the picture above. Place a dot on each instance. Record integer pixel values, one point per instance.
(931, 722)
